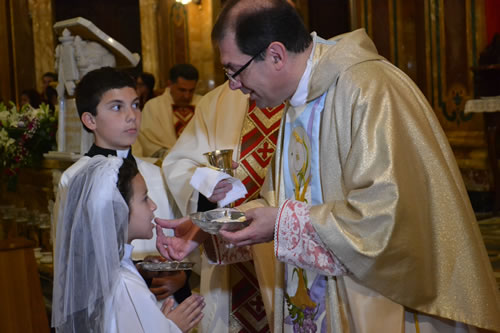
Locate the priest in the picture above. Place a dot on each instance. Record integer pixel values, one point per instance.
(370, 218)
(227, 119)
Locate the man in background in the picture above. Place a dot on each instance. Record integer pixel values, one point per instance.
(165, 117)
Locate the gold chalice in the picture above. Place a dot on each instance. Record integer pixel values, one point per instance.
(221, 160)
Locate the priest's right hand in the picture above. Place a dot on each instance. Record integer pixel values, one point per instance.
(187, 237)
(220, 191)
(222, 187)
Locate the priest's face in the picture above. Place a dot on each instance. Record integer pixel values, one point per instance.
(141, 209)
(257, 79)
(118, 119)
(182, 91)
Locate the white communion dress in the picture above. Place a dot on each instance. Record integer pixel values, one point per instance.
(132, 307)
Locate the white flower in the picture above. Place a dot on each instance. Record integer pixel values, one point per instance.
(5, 140)
(4, 116)
(13, 119)
(4, 136)
(24, 123)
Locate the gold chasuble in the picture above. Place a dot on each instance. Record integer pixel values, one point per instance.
(162, 123)
(393, 213)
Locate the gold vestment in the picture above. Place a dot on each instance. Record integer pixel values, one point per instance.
(396, 211)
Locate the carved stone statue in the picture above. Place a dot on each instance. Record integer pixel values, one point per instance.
(91, 55)
(66, 64)
(76, 57)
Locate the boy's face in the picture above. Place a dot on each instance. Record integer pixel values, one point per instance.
(118, 119)
(141, 209)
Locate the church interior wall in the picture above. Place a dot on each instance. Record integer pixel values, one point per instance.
(17, 59)
(437, 43)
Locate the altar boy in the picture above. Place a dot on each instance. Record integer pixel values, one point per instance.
(108, 107)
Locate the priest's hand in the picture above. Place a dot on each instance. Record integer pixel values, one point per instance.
(220, 191)
(187, 237)
(222, 187)
(260, 230)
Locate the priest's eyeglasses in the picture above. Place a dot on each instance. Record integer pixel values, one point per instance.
(232, 77)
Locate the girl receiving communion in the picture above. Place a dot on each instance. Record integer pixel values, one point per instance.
(96, 286)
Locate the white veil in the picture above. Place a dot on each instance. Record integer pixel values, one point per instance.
(90, 242)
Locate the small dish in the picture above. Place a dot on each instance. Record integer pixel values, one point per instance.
(214, 220)
(166, 266)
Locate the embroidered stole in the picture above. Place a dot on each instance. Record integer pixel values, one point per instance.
(258, 140)
(305, 291)
(182, 116)
(259, 136)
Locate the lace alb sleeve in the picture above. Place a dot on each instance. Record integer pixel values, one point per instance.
(296, 242)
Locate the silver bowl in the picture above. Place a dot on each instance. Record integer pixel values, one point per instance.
(221, 218)
(166, 266)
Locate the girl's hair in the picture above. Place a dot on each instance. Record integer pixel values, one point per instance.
(127, 172)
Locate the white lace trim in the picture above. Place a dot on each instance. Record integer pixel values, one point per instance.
(297, 243)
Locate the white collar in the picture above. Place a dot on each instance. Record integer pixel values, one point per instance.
(127, 253)
(122, 153)
(127, 262)
(300, 95)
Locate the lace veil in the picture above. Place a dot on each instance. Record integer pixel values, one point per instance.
(89, 246)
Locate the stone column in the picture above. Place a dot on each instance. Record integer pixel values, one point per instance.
(149, 37)
(42, 16)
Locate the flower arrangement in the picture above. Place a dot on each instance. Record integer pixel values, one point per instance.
(25, 135)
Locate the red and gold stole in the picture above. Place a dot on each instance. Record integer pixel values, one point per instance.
(259, 136)
(182, 116)
(258, 140)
